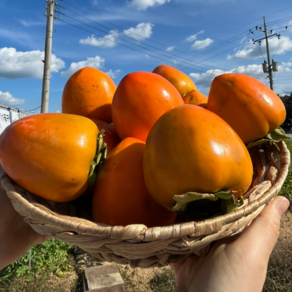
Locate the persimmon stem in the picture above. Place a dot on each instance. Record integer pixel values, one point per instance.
(99, 158)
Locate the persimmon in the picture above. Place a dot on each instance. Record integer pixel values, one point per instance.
(140, 99)
(120, 196)
(50, 154)
(195, 97)
(110, 137)
(89, 93)
(250, 107)
(203, 105)
(182, 82)
(191, 149)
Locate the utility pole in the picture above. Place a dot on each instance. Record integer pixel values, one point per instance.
(268, 54)
(268, 67)
(48, 50)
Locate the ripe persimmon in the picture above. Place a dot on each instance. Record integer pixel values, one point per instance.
(195, 97)
(182, 82)
(250, 107)
(50, 154)
(89, 93)
(191, 149)
(120, 196)
(110, 137)
(140, 99)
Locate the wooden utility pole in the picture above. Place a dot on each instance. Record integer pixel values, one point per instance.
(267, 67)
(268, 55)
(48, 51)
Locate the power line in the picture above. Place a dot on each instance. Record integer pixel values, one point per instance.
(34, 109)
(172, 62)
(121, 27)
(206, 67)
(279, 20)
(116, 32)
(187, 60)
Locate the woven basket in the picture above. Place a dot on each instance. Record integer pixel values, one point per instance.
(145, 247)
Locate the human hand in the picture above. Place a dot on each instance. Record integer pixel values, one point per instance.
(16, 236)
(238, 263)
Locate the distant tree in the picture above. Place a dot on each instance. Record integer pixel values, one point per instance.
(287, 100)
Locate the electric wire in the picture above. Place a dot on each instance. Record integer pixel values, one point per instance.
(168, 61)
(33, 109)
(116, 32)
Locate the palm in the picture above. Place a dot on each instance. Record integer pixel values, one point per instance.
(239, 261)
(16, 236)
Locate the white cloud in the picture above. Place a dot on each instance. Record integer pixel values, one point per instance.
(198, 45)
(96, 62)
(205, 79)
(113, 74)
(141, 32)
(276, 46)
(7, 99)
(144, 4)
(285, 67)
(28, 23)
(107, 41)
(193, 37)
(169, 49)
(14, 64)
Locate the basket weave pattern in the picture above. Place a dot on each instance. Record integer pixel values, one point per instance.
(145, 247)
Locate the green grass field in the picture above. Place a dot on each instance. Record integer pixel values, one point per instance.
(286, 190)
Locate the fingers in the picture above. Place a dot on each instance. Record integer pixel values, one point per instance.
(262, 234)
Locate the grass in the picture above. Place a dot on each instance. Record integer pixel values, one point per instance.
(163, 282)
(52, 259)
(286, 190)
(279, 273)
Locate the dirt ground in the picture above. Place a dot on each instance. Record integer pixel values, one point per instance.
(286, 226)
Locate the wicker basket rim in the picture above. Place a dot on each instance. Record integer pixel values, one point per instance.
(35, 215)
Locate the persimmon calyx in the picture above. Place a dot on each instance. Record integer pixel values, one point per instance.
(274, 137)
(232, 204)
(99, 158)
(225, 202)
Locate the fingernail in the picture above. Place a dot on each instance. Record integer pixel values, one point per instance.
(282, 205)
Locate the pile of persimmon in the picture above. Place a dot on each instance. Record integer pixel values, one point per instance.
(141, 148)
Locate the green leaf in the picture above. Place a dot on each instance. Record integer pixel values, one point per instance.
(273, 137)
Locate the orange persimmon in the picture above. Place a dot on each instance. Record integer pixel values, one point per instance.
(110, 137)
(140, 100)
(250, 107)
(182, 82)
(89, 93)
(195, 97)
(120, 196)
(50, 154)
(190, 149)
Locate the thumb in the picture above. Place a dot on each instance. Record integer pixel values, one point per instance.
(262, 235)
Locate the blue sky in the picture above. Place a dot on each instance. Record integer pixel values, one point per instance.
(202, 38)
